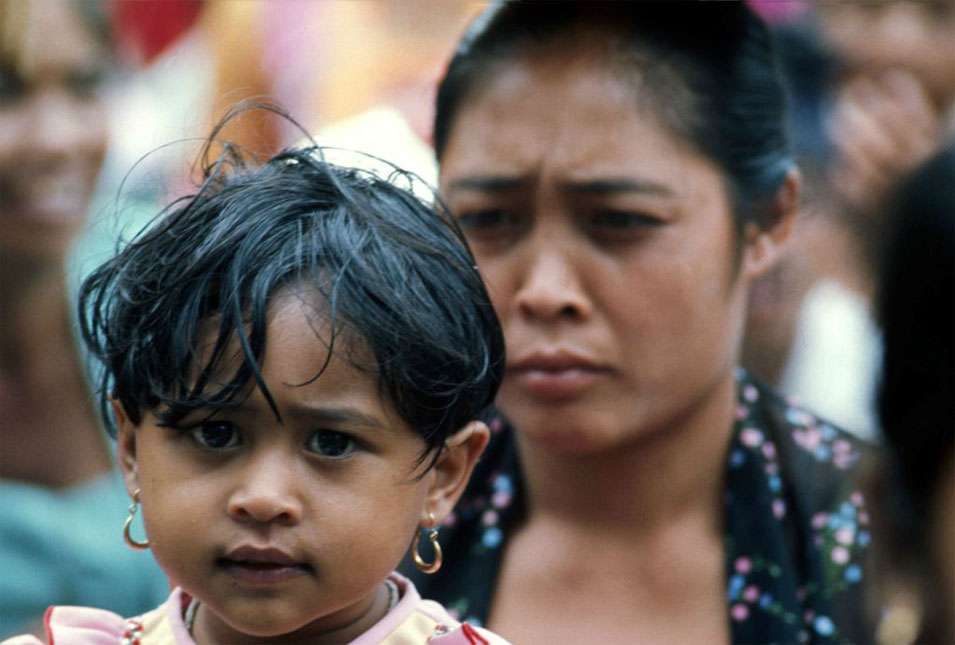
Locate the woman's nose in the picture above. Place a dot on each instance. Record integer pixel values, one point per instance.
(552, 288)
(267, 493)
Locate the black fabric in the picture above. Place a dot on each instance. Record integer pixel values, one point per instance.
(798, 527)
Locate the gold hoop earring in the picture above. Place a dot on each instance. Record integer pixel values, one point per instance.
(130, 542)
(432, 531)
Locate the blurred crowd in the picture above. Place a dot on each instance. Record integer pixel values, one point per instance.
(90, 90)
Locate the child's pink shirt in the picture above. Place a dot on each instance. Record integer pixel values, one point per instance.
(413, 621)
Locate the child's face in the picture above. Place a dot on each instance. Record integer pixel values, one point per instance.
(289, 527)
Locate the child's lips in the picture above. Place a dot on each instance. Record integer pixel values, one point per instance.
(261, 566)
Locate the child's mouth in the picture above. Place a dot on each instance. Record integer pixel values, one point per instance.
(261, 566)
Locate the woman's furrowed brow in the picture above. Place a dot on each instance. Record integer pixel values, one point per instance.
(488, 183)
(621, 185)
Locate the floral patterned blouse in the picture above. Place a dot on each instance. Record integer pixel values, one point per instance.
(797, 527)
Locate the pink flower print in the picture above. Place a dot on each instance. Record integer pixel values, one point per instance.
(769, 450)
(840, 554)
(500, 499)
(489, 518)
(863, 517)
(811, 438)
(750, 393)
(857, 499)
(496, 425)
(819, 520)
(739, 612)
(842, 460)
(751, 594)
(751, 437)
(845, 536)
(743, 565)
(779, 508)
(450, 520)
(741, 412)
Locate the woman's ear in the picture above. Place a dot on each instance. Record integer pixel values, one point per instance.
(763, 245)
(453, 470)
(126, 447)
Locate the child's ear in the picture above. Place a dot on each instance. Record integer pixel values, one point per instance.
(126, 447)
(762, 245)
(453, 469)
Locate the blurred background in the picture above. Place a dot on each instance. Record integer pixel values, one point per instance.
(104, 103)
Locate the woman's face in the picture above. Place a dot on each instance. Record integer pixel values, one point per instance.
(52, 127)
(609, 251)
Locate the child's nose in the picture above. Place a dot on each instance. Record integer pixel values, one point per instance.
(267, 494)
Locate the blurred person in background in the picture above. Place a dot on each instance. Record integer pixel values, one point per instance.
(916, 310)
(875, 83)
(63, 506)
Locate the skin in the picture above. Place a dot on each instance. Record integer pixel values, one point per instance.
(52, 141)
(895, 100)
(334, 487)
(605, 238)
(52, 131)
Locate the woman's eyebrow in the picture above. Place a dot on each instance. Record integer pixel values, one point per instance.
(489, 183)
(621, 185)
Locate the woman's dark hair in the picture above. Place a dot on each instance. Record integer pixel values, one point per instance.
(917, 315)
(165, 315)
(709, 67)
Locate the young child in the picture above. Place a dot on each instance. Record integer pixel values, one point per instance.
(294, 361)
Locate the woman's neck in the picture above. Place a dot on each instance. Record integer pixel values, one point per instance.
(643, 486)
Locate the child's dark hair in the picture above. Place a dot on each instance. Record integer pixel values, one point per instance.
(164, 315)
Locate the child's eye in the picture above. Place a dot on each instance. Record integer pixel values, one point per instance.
(216, 435)
(329, 443)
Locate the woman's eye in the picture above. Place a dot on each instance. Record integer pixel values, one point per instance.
(329, 443)
(86, 84)
(12, 87)
(623, 220)
(216, 435)
(483, 220)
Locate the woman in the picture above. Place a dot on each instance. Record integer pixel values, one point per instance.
(63, 507)
(622, 175)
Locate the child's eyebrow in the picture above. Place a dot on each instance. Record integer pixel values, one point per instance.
(336, 415)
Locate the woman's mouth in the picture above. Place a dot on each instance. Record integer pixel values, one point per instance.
(558, 375)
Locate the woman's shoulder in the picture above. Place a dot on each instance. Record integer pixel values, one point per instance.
(795, 427)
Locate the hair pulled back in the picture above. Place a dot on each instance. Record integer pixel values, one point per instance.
(709, 68)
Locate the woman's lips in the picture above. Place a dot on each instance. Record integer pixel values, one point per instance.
(556, 376)
(261, 566)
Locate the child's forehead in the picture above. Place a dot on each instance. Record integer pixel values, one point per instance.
(298, 320)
